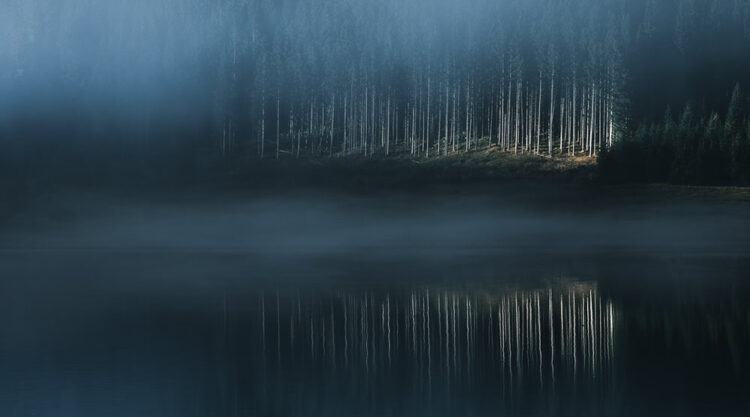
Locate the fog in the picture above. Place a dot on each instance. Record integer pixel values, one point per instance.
(515, 216)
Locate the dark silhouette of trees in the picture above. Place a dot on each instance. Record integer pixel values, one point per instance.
(700, 148)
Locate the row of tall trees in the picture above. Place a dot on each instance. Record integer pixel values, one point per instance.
(399, 78)
(292, 78)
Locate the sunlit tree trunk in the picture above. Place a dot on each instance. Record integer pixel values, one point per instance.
(575, 119)
(445, 149)
(551, 112)
(389, 120)
(428, 120)
(453, 136)
(263, 125)
(592, 116)
(539, 115)
(346, 125)
(333, 115)
(466, 143)
(501, 118)
(562, 123)
(518, 116)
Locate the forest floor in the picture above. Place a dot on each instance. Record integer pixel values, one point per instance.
(480, 166)
(493, 165)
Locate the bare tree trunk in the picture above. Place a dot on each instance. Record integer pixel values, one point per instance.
(372, 121)
(263, 125)
(575, 134)
(467, 117)
(562, 122)
(428, 120)
(445, 152)
(611, 129)
(508, 116)
(500, 115)
(539, 115)
(455, 113)
(591, 122)
(291, 129)
(388, 126)
(551, 111)
(413, 127)
(278, 117)
(333, 115)
(346, 122)
(518, 115)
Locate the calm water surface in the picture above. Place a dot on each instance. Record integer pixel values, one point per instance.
(344, 306)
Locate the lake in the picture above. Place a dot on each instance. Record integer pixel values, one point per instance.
(518, 300)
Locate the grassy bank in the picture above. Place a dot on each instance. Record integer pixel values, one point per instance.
(485, 165)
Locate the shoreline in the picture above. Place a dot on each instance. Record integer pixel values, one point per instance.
(479, 169)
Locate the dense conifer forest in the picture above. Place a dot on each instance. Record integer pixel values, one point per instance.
(241, 80)
(693, 147)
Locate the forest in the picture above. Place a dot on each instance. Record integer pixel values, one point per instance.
(234, 81)
(693, 148)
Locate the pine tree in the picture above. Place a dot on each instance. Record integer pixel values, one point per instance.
(733, 132)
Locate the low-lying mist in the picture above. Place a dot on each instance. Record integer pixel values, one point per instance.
(313, 222)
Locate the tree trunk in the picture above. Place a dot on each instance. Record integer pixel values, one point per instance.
(551, 111)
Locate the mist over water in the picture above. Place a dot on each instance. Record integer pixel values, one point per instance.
(317, 303)
(320, 222)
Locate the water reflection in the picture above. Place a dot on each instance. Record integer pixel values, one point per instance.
(545, 334)
(509, 343)
(568, 348)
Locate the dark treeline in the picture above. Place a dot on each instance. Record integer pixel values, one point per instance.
(693, 147)
(291, 78)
